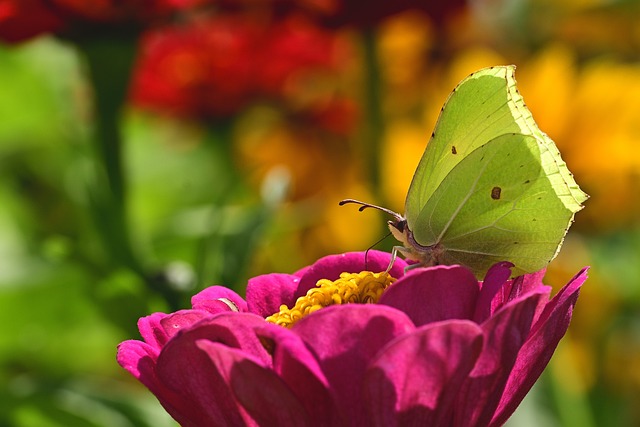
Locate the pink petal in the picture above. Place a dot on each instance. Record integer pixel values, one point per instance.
(186, 369)
(531, 281)
(262, 394)
(344, 340)
(265, 294)
(302, 271)
(517, 287)
(504, 335)
(539, 347)
(152, 331)
(299, 369)
(433, 294)
(132, 356)
(140, 360)
(415, 380)
(331, 266)
(216, 299)
(175, 322)
(521, 285)
(493, 282)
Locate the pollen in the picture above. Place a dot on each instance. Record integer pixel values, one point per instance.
(351, 288)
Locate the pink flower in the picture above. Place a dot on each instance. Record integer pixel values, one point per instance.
(439, 349)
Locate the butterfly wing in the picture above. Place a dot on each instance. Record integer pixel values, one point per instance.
(483, 106)
(483, 123)
(497, 204)
(555, 168)
(474, 113)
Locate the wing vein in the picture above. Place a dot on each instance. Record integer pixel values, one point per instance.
(462, 203)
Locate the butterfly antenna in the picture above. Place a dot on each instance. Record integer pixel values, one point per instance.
(364, 206)
(366, 253)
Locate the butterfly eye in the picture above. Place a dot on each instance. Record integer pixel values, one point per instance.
(398, 225)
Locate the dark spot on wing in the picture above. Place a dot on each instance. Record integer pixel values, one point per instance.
(527, 181)
(453, 150)
(495, 193)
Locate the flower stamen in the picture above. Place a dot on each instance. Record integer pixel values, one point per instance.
(351, 288)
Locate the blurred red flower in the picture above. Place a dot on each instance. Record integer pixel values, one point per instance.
(23, 19)
(337, 13)
(215, 67)
(121, 10)
(196, 70)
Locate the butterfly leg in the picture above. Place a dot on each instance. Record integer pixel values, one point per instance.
(394, 255)
(412, 266)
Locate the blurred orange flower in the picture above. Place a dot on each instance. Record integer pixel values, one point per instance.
(321, 170)
(592, 113)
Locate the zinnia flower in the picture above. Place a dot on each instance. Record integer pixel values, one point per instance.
(434, 347)
(215, 67)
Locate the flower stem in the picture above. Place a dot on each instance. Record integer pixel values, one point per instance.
(373, 108)
(109, 65)
(109, 62)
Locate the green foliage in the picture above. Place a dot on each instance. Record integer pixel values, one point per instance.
(64, 303)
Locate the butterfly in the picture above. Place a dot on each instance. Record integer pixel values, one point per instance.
(490, 186)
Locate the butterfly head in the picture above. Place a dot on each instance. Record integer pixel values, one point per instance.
(399, 230)
(410, 249)
(397, 225)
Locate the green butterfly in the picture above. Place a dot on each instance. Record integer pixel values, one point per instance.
(490, 186)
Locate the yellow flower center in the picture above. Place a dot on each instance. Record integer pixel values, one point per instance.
(359, 288)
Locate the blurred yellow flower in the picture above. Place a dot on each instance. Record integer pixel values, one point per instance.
(322, 170)
(265, 141)
(403, 145)
(622, 359)
(574, 366)
(593, 114)
(547, 83)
